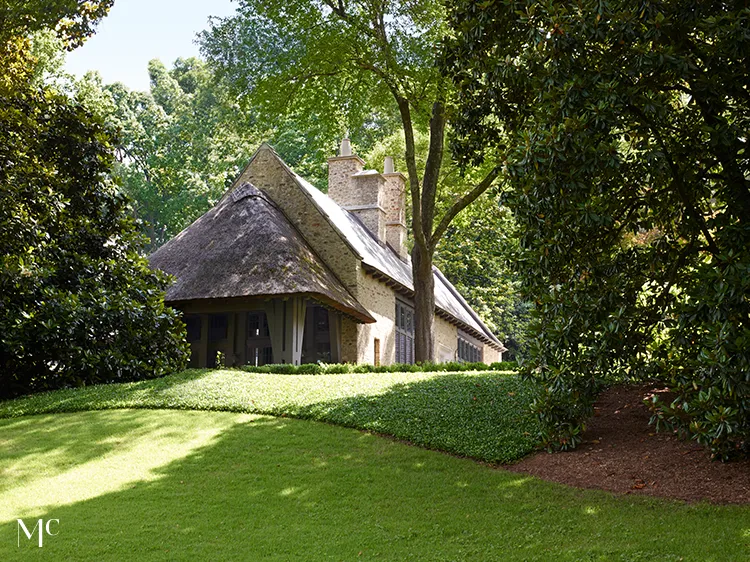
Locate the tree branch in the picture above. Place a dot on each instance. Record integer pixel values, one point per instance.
(462, 203)
(411, 167)
(677, 179)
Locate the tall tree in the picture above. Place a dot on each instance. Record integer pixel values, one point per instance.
(343, 62)
(630, 169)
(78, 304)
(182, 143)
(477, 250)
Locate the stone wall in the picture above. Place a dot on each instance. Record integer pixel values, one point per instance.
(349, 329)
(395, 212)
(490, 354)
(446, 340)
(373, 218)
(341, 171)
(267, 173)
(357, 340)
(380, 301)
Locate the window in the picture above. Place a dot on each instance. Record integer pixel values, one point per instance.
(404, 333)
(377, 352)
(468, 351)
(193, 324)
(217, 327)
(258, 350)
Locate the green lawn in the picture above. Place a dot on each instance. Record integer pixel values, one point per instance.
(189, 485)
(187, 467)
(481, 415)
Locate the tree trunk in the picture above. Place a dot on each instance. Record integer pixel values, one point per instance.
(424, 305)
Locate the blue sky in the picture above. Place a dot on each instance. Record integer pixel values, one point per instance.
(136, 31)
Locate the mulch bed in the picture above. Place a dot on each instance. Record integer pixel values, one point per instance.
(622, 453)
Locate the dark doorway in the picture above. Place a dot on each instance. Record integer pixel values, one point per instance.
(258, 343)
(316, 345)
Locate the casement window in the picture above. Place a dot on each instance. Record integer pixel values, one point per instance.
(468, 351)
(404, 333)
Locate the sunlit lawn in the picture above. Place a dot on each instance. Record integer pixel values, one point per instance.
(198, 485)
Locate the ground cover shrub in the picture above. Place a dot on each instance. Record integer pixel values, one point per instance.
(343, 368)
(478, 414)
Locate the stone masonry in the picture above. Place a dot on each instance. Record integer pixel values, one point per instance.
(378, 199)
(395, 212)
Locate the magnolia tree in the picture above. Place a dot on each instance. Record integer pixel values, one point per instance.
(78, 304)
(625, 131)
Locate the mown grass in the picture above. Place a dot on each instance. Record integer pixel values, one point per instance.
(186, 485)
(480, 415)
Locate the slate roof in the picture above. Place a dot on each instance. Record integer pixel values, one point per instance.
(246, 246)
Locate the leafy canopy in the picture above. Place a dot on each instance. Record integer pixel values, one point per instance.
(624, 130)
(327, 58)
(342, 63)
(78, 305)
(72, 20)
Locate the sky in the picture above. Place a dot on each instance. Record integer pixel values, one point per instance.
(136, 31)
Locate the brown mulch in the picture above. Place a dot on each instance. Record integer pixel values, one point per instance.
(622, 453)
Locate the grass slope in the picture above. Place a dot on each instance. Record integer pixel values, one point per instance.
(182, 485)
(481, 415)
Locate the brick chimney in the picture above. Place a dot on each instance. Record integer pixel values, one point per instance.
(359, 191)
(395, 208)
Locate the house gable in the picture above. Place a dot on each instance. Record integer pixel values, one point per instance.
(337, 234)
(246, 247)
(268, 172)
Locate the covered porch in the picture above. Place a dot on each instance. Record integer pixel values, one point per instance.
(293, 330)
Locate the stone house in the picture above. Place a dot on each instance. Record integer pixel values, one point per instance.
(279, 272)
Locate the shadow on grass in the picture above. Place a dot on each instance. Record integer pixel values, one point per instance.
(55, 443)
(273, 489)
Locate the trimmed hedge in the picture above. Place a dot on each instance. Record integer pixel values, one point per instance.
(343, 368)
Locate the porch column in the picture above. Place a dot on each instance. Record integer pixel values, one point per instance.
(286, 325)
(334, 330)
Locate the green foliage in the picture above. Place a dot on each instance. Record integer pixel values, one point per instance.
(341, 368)
(326, 61)
(624, 131)
(476, 256)
(73, 20)
(78, 305)
(482, 415)
(182, 143)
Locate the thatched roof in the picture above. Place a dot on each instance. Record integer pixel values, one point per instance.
(246, 247)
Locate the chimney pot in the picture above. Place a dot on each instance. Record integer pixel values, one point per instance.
(346, 147)
(388, 166)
